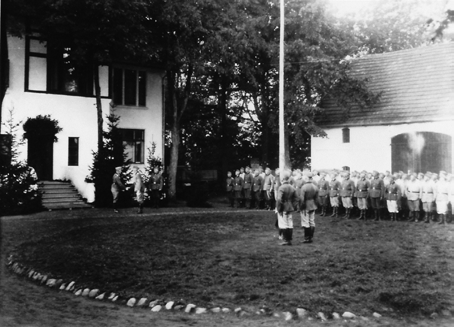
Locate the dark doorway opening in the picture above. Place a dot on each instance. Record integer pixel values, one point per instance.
(41, 156)
(421, 152)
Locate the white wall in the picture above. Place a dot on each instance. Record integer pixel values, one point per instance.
(77, 116)
(369, 147)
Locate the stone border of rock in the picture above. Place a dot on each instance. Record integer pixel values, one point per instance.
(157, 305)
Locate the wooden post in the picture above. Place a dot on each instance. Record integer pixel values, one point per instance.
(281, 91)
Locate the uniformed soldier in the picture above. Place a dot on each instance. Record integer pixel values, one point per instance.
(323, 193)
(139, 187)
(155, 184)
(286, 203)
(297, 182)
(247, 184)
(268, 189)
(308, 199)
(117, 187)
(276, 185)
(402, 182)
(256, 189)
(413, 193)
(442, 197)
(427, 197)
(362, 193)
(230, 189)
(376, 194)
(334, 188)
(238, 188)
(346, 192)
(393, 195)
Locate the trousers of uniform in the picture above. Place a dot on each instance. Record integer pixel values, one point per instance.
(307, 218)
(334, 200)
(392, 206)
(413, 205)
(324, 200)
(428, 206)
(362, 203)
(257, 197)
(139, 197)
(285, 220)
(375, 203)
(451, 200)
(115, 193)
(347, 202)
(247, 193)
(442, 207)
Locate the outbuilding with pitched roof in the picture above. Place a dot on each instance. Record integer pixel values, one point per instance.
(412, 126)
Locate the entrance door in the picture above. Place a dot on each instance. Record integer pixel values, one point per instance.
(421, 152)
(41, 156)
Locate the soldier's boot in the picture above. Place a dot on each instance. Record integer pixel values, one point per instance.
(306, 234)
(426, 218)
(411, 215)
(290, 235)
(334, 212)
(442, 220)
(311, 234)
(286, 237)
(379, 214)
(323, 212)
(349, 211)
(115, 208)
(416, 214)
(375, 215)
(346, 213)
(395, 216)
(361, 215)
(140, 208)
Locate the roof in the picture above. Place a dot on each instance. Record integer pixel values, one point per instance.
(417, 85)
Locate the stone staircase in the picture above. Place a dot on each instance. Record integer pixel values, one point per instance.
(60, 195)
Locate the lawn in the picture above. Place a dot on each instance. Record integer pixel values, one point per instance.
(232, 259)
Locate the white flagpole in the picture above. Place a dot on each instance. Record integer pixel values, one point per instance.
(281, 91)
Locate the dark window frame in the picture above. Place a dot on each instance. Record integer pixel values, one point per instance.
(73, 151)
(137, 141)
(120, 88)
(346, 135)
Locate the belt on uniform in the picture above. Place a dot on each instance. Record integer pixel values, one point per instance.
(414, 192)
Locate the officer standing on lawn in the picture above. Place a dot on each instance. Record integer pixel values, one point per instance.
(229, 189)
(117, 187)
(427, 197)
(442, 197)
(286, 203)
(256, 187)
(413, 193)
(247, 184)
(268, 189)
(155, 184)
(323, 193)
(393, 195)
(362, 193)
(334, 188)
(308, 201)
(139, 187)
(376, 194)
(347, 191)
(238, 188)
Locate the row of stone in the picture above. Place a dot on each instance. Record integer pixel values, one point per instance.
(158, 305)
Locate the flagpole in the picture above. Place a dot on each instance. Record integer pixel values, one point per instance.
(281, 91)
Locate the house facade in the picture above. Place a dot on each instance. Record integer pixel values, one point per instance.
(43, 80)
(412, 126)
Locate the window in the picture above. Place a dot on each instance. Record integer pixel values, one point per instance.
(129, 87)
(346, 135)
(73, 151)
(133, 141)
(52, 68)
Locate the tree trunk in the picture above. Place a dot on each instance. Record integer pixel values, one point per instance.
(223, 129)
(173, 168)
(98, 109)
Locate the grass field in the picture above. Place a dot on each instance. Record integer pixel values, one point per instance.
(397, 269)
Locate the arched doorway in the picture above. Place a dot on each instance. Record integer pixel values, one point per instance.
(40, 133)
(421, 152)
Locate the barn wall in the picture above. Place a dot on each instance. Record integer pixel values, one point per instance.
(369, 147)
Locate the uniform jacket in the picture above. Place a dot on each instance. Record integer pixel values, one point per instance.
(116, 183)
(297, 184)
(286, 199)
(413, 190)
(347, 188)
(276, 184)
(155, 182)
(308, 197)
(238, 183)
(428, 191)
(257, 183)
(442, 191)
(334, 187)
(323, 187)
(138, 183)
(230, 182)
(247, 181)
(268, 183)
(393, 192)
(362, 189)
(377, 188)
